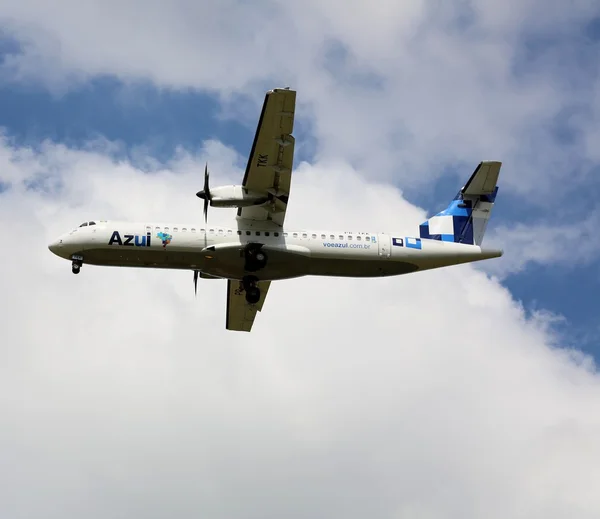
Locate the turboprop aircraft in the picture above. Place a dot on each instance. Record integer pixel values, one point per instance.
(257, 249)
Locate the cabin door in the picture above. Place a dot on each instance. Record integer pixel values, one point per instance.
(383, 244)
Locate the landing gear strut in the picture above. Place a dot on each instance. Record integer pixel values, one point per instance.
(251, 290)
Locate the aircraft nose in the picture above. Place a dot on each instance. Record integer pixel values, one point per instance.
(55, 246)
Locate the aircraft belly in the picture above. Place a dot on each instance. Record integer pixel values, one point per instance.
(230, 263)
(360, 267)
(142, 257)
(280, 265)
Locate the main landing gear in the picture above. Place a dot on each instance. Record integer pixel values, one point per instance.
(252, 291)
(256, 258)
(76, 265)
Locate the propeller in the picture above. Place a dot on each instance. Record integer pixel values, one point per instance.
(205, 193)
(196, 282)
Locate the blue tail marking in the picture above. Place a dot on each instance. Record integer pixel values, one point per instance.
(466, 218)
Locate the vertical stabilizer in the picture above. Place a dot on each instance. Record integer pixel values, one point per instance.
(467, 216)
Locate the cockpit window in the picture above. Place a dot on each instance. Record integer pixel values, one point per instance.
(84, 224)
(92, 223)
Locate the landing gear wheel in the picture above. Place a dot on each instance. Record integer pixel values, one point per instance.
(253, 295)
(256, 259)
(252, 291)
(76, 265)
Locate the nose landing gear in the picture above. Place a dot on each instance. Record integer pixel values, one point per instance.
(76, 264)
(255, 259)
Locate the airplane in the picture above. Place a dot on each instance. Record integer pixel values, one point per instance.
(257, 249)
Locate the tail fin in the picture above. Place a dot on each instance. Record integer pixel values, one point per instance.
(467, 216)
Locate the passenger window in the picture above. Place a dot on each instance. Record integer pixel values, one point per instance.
(314, 236)
(174, 229)
(193, 229)
(285, 234)
(229, 231)
(183, 229)
(368, 238)
(212, 230)
(304, 235)
(239, 232)
(341, 236)
(166, 228)
(202, 230)
(276, 234)
(332, 237)
(295, 235)
(257, 233)
(358, 238)
(267, 233)
(157, 228)
(149, 229)
(248, 233)
(349, 237)
(323, 236)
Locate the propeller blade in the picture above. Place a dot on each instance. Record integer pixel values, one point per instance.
(206, 177)
(195, 282)
(207, 196)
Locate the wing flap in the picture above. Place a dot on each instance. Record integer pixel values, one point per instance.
(240, 315)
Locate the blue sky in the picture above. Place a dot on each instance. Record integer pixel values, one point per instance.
(135, 115)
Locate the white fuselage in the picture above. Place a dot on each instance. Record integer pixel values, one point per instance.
(218, 251)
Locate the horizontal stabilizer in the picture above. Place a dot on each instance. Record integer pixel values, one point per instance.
(484, 179)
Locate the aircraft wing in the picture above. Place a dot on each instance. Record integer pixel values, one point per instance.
(240, 314)
(269, 167)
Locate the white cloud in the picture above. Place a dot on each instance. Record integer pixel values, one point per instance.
(569, 245)
(430, 394)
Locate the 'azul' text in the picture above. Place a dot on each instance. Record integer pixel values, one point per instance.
(132, 240)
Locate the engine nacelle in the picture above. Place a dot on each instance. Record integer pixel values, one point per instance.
(234, 196)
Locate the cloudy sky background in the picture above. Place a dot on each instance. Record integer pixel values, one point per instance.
(464, 392)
